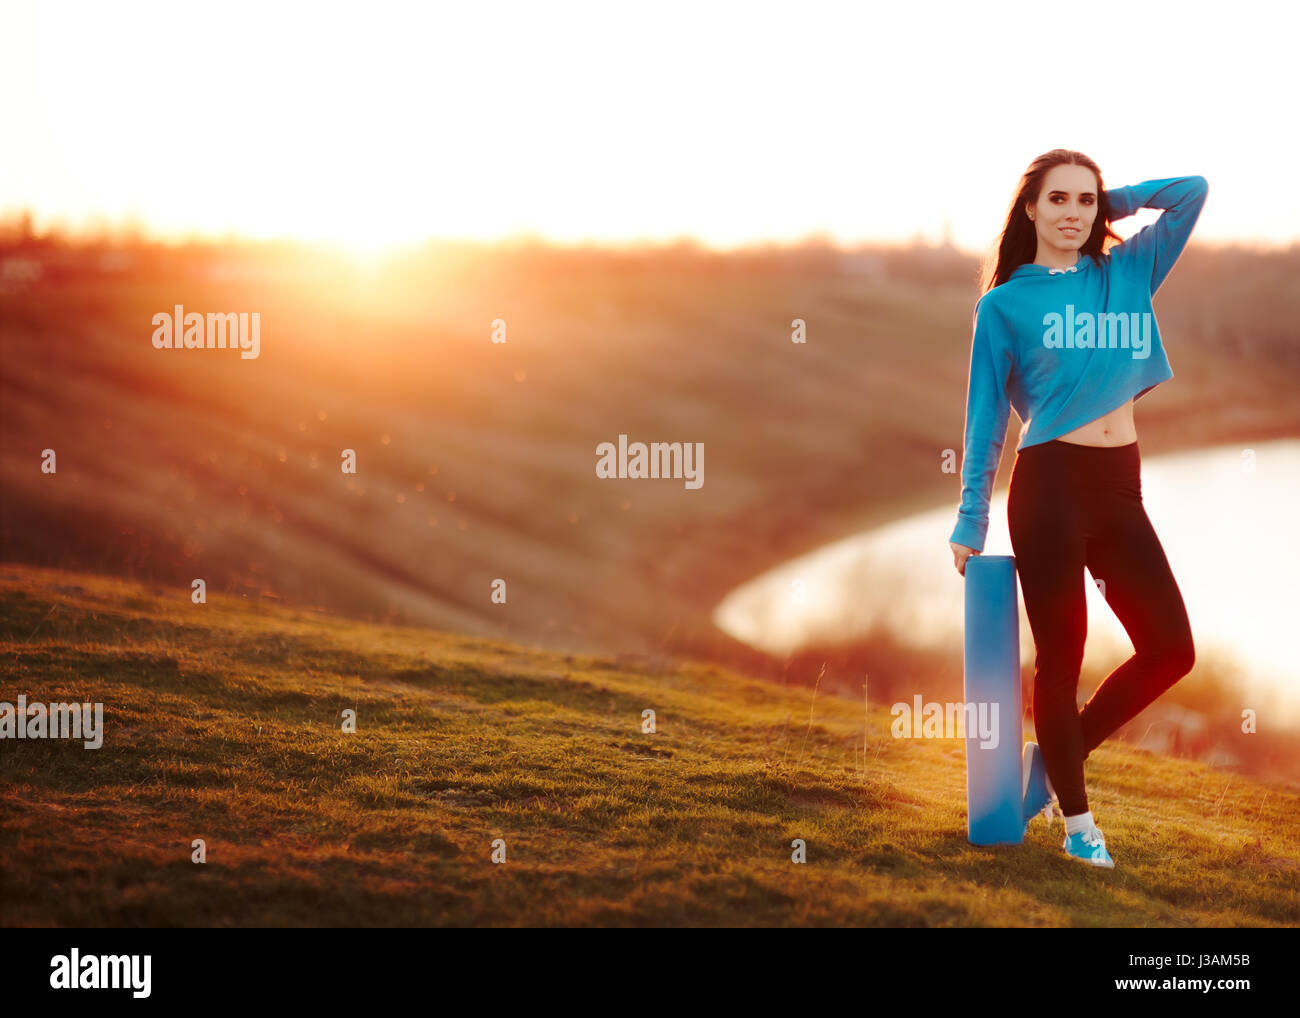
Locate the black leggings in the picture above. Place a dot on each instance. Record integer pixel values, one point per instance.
(1071, 506)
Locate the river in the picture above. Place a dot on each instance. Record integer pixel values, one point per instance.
(1227, 517)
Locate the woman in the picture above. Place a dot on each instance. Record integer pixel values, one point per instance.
(1066, 334)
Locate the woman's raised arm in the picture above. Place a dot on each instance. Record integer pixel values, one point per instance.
(1153, 250)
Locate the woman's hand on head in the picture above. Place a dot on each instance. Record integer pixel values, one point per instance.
(960, 553)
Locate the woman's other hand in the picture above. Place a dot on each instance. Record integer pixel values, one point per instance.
(960, 553)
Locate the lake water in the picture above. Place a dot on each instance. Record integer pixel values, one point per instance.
(1227, 517)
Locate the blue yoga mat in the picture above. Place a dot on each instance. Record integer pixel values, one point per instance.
(992, 676)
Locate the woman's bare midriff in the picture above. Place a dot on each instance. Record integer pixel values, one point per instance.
(1115, 428)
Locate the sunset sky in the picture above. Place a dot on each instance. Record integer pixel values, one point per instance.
(377, 123)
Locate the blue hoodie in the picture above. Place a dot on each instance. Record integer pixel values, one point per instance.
(1066, 346)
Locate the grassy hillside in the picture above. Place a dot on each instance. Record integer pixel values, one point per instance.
(476, 460)
(222, 722)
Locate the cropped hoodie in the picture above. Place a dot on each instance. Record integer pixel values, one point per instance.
(1066, 346)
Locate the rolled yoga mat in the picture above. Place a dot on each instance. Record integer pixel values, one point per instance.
(992, 676)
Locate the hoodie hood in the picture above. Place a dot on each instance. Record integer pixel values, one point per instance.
(1084, 263)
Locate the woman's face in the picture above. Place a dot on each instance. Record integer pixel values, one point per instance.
(1066, 208)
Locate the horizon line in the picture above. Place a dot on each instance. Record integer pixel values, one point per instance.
(129, 232)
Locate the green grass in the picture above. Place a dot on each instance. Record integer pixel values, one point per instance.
(223, 722)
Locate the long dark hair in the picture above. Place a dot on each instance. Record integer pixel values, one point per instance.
(1019, 243)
